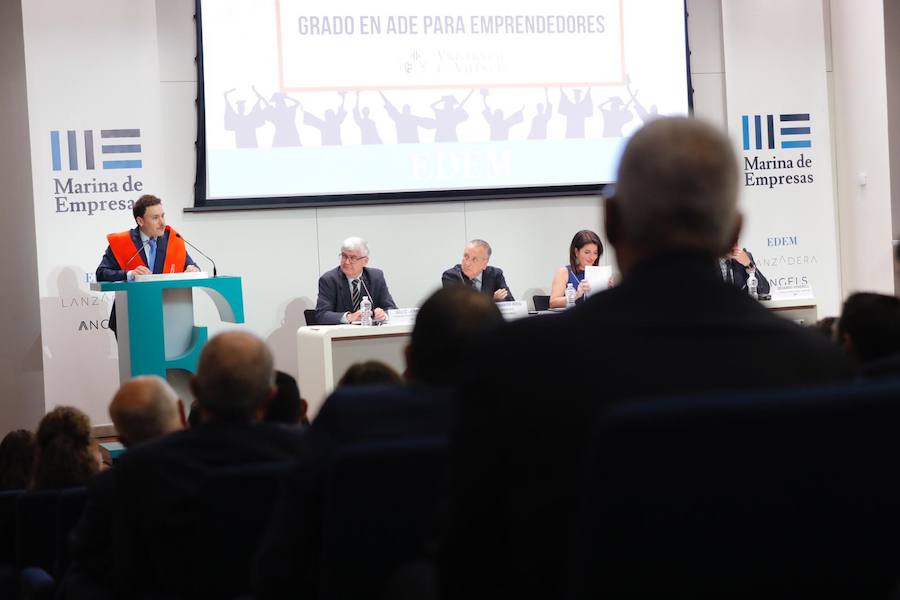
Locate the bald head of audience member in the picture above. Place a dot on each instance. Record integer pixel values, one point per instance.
(676, 191)
(145, 408)
(235, 378)
(445, 326)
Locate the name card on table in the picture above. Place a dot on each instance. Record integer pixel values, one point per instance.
(402, 316)
(513, 310)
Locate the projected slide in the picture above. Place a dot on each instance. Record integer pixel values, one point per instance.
(319, 99)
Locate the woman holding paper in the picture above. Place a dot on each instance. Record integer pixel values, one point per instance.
(584, 251)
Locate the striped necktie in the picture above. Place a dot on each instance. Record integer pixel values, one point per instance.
(355, 296)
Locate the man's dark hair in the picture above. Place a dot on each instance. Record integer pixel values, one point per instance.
(445, 327)
(234, 376)
(370, 372)
(140, 207)
(16, 459)
(287, 406)
(871, 322)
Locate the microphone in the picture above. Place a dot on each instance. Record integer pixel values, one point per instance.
(206, 256)
(371, 297)
(133, 256)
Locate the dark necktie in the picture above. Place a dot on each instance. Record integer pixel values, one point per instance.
(355, 296)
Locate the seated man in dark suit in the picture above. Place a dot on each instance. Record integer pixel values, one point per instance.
(151, 247)
(341, 289)
(736, 268)
(157, 513)
(143, 409)
(474, 271)
(445, 326)
(520, 435)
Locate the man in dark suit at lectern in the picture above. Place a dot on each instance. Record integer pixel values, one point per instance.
(151, 247)
(341, 289)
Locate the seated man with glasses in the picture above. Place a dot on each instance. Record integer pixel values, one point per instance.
(341, 289)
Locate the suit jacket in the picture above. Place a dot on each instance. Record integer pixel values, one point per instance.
(522, 425)
(334, 294)
(491, 280)
(739, 276)
(157, 510)
(110, 269)
(289, 555)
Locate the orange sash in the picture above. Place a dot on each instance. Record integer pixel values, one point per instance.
(129, 258)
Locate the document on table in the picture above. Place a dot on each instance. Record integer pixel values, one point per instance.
(598, 278)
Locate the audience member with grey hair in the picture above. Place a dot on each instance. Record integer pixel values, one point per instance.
(474, 271)
(672, 326)
(342, 289)
(156, 484)
(144, 408)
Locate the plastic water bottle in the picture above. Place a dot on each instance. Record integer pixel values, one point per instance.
(570, 295)
(366, 307)
(751, 286)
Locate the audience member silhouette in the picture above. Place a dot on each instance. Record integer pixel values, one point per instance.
(445, 326)
(143, 409)
(16, 459)
(370, 372)
(287, 406)
(64, 455)
(869, 331)
(516, 465)
(157, 517)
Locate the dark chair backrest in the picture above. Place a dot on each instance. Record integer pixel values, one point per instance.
(43, 521)
(310, 315)
(236, 505)
(541, 302)
(380, 511)
(8, 500)
(761, 494)
(36, 515)
(71, 506)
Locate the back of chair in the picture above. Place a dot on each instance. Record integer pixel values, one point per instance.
(767, 494)
(236, 505)
(541, 302)
(8, 500)
(310, 315)
(36, 519)
(380, 511)
(71, 505)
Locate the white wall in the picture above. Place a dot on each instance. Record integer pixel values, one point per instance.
(21, 374)
(861, 145)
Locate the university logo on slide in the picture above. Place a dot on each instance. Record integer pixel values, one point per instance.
(119, 149)
(759, 131)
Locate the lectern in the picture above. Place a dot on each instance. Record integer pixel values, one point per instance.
(155, 317)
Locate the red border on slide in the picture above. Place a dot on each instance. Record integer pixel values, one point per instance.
(455, 86)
